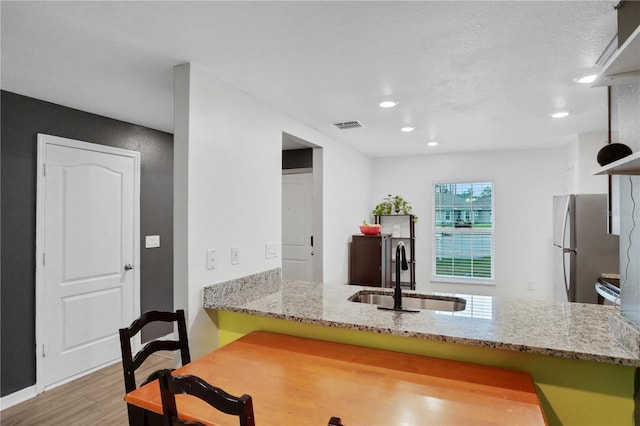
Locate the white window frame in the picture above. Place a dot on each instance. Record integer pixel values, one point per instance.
(435, 230)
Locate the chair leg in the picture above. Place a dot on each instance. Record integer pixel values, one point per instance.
(141, 417)
(153, 419)
(335, 421)
(136, 415)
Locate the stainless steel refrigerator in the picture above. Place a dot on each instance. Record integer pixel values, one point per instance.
(582, 247)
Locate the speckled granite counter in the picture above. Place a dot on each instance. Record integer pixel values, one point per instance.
(570, 330)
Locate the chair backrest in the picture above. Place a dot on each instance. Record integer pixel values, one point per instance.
(195, 386)
(131, 363)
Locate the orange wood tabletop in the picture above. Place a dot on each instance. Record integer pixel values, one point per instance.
(300, 381)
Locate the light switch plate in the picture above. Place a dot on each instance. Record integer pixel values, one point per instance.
(271, 250)
(235, 255)
(152, 241)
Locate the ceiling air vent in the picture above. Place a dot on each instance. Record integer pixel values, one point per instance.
(347, 125)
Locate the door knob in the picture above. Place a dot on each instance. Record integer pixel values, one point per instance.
(128, 267)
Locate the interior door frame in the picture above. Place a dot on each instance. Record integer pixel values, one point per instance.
(43, 141)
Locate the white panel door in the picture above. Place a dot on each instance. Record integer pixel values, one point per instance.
(90, 227)
(297, 253)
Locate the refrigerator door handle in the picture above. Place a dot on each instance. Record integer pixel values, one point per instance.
(564, 272)
(564, 221)
(564, 249)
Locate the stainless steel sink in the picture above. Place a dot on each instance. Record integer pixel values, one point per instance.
(413, 301)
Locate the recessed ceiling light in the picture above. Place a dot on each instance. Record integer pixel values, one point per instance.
(388, 104)
(432, 143)
(560, 114)
(587, 79)
(407, 129)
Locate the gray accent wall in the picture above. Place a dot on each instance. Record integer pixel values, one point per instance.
(21, 119)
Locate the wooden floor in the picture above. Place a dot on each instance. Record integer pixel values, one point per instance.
(95, 399)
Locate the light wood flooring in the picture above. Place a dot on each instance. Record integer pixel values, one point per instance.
(95, 399)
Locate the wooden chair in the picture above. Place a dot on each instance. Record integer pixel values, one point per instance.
(131, 363)
(195, 386)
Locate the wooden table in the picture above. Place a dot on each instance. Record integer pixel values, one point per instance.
(299, 381)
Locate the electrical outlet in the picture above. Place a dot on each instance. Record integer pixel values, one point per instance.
(271, 250)
(211, 259)
(235, 255)
(530, 285)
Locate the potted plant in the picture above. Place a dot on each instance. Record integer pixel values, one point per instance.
(394, 204)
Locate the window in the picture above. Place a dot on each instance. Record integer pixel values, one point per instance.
(463, 232)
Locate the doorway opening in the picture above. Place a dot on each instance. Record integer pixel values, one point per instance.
(302, 241)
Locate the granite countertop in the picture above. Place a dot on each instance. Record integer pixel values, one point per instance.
(570, 330)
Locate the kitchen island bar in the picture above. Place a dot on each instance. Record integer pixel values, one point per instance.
(360, 385)
(581, 375)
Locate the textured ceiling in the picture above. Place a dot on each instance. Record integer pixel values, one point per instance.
(472, 75)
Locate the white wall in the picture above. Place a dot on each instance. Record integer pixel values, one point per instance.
(348, 178)
(581, 161)
(228, 188)
(570, 176)
(524, 183)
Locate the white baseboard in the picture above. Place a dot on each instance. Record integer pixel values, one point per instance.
(81, 374)
(31, 391)
(17, 397)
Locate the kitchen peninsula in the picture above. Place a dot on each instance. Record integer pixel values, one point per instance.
(582, 376)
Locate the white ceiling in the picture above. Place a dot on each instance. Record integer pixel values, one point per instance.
(473, 75)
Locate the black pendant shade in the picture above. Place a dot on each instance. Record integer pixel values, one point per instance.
(612, 152)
